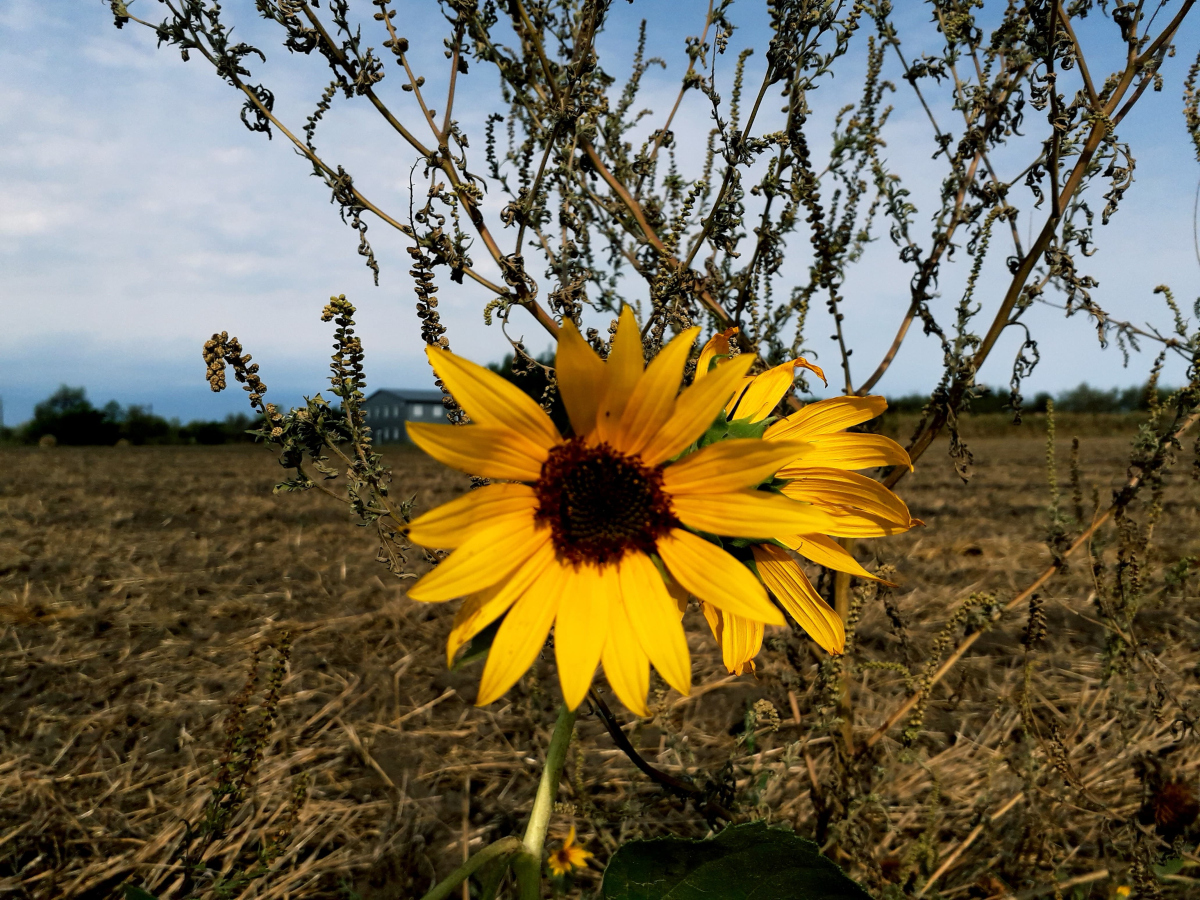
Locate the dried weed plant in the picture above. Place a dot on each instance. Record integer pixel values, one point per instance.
(1015, 729)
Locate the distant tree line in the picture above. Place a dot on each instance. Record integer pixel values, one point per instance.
(1080, 399)
(530, 375)
(70, 418)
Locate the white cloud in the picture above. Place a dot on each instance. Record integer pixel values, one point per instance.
(26, 210)
(24, 16)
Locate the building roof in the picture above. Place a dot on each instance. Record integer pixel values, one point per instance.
(408, 395)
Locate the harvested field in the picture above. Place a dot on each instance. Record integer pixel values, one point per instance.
(136, 585)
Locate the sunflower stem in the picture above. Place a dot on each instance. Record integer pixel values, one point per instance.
(528, 864)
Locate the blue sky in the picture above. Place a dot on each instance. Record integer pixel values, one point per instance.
(138, 215)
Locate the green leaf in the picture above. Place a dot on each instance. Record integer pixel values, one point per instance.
(743, 543)
(132, 892)
(1172, 866)
(740, 428)
(742, 862)
(722, 429)
(716, 432)
(478, 647)
(491, 876)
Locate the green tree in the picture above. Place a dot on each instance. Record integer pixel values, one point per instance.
(70, 417)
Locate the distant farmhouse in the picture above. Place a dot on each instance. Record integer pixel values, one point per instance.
(389, 408)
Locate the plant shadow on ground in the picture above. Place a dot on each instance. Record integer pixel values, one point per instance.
(136, 583)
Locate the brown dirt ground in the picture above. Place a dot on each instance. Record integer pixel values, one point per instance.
(135, 584)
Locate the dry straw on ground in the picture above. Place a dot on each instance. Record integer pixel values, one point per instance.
(136, 584)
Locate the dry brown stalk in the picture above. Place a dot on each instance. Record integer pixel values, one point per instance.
(966, 842)
(965, 644)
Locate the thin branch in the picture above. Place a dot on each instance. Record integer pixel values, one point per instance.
(658, 138)
(890, 356)
(921, 288)
(1056, 134)
(580, 50)
(517, 10)
(1147, 80)
(368, 91)
(1089, 86)
(531, 196)
(443, 162)
(670, 782)
(622, 193)
(303, 148)
(1099, 129)
(454, 57)
(727, 178)
(1167, 33)
(675, 785)
(1171, 343)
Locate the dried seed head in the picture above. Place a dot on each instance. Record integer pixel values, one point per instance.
(214, 358)
(1175, 808)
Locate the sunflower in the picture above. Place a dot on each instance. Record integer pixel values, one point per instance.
(569, 856)
(600, 534)
(822, 475)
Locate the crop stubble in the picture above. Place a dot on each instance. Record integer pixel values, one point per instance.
(135, 583)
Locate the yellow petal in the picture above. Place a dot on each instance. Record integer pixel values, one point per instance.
(714, 576)
(801, 363)
(791, 587)
(624, 368)
(491, 400)
(490, 451)
(452, 523)
(825, 417)
(679, 595)
(762, 394)
(741, 639)
(716, 347)
(655, 619)
(749, 514)
(581, 378)
(626, 665)
(846, 522)
(825, 551)
(653, 398)
(840, 492)
(716, 623)
(695, 409)
(728, 465)
(581, 627)
(522, 634)
(859, 525)
(742, 387)
(480, 610)
(481, 560)
(849, 451)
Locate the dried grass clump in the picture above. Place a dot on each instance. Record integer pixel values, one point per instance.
(139, 589)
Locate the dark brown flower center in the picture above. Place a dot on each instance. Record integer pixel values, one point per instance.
(600, 503)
